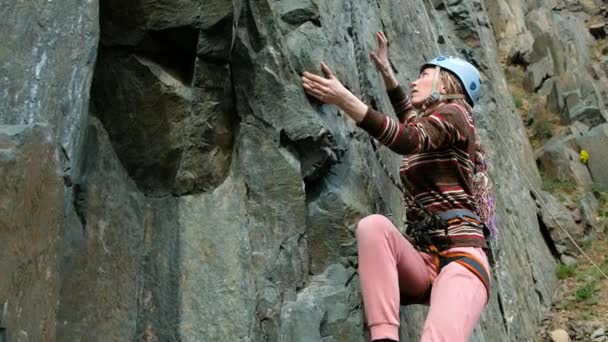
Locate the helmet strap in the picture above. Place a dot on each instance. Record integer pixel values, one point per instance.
(435, 95)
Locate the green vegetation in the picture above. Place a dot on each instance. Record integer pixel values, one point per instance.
(564, 271)
(556, 186)
(543, 130)
(518, 102)
(585, 292)
(545, 123)
(582, 284)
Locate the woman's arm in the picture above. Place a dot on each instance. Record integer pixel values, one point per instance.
(380, 59)
(399, 100)
(433, 132)
(443, 127)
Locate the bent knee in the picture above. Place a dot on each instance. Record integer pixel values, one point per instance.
(372, 225)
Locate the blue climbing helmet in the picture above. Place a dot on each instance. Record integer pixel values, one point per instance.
(467, 74)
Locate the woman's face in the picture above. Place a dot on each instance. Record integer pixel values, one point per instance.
(423, 86)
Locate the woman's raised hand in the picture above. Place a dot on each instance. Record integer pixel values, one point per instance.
(327, 89)
(380, 59)
(380, 56)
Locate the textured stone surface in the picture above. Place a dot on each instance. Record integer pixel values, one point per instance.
(588, 207)
(101, 262)
(30, 237)
(560, 224)
(221, 202)
(558, 159)
(171, 137)
(553, 46)
(46, 66)
(594, 142)
(216, 283)
(326, 310)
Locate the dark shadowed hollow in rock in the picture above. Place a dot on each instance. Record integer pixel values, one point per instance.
(169, 114)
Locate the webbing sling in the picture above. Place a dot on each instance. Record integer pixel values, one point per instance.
(458, 213)
(467, 260)
(464, 259)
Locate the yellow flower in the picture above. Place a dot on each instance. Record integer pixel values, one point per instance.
(583, 157)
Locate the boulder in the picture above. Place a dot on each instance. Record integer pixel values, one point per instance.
(560, 335)
(538, 73)
(559, 160)
(594, 142)
(560, 224)
(298, 12)
(588, 207)
(186, 142)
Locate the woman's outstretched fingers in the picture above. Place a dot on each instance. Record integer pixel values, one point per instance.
(312, 90)
(315, 78)
(375, 59)
(326, 70)
(314, 81)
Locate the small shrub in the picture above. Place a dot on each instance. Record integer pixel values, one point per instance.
(544, 130)
(566, 305)
(518, 102)
(564, 271)
(585, 292)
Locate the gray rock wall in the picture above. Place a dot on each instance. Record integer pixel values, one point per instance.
(47, 59)
(550, 39)
(46, 64)
(206, 197)
(30, 229)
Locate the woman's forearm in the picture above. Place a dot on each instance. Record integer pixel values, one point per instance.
(353, 107)
(390, 81)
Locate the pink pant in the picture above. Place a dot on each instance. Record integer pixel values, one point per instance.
(390, 266)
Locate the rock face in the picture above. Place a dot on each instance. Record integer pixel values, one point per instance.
(551, 41)
(595, 142)
(47, 61)
(31, 205)
(46, 66)
(559, 158)
(203, 196)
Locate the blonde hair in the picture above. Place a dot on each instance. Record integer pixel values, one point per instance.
(452, 85)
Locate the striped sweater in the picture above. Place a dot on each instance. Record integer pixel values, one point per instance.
(437, 168)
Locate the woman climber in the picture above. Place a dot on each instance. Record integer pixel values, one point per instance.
(443, 261)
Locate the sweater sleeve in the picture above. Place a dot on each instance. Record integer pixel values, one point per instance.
(441, 128)
(401, 104)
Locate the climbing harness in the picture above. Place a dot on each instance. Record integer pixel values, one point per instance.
(444, 258)
(441, 260)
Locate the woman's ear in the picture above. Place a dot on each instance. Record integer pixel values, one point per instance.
(441, 87)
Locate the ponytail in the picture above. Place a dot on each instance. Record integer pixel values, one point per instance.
(482, 191)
